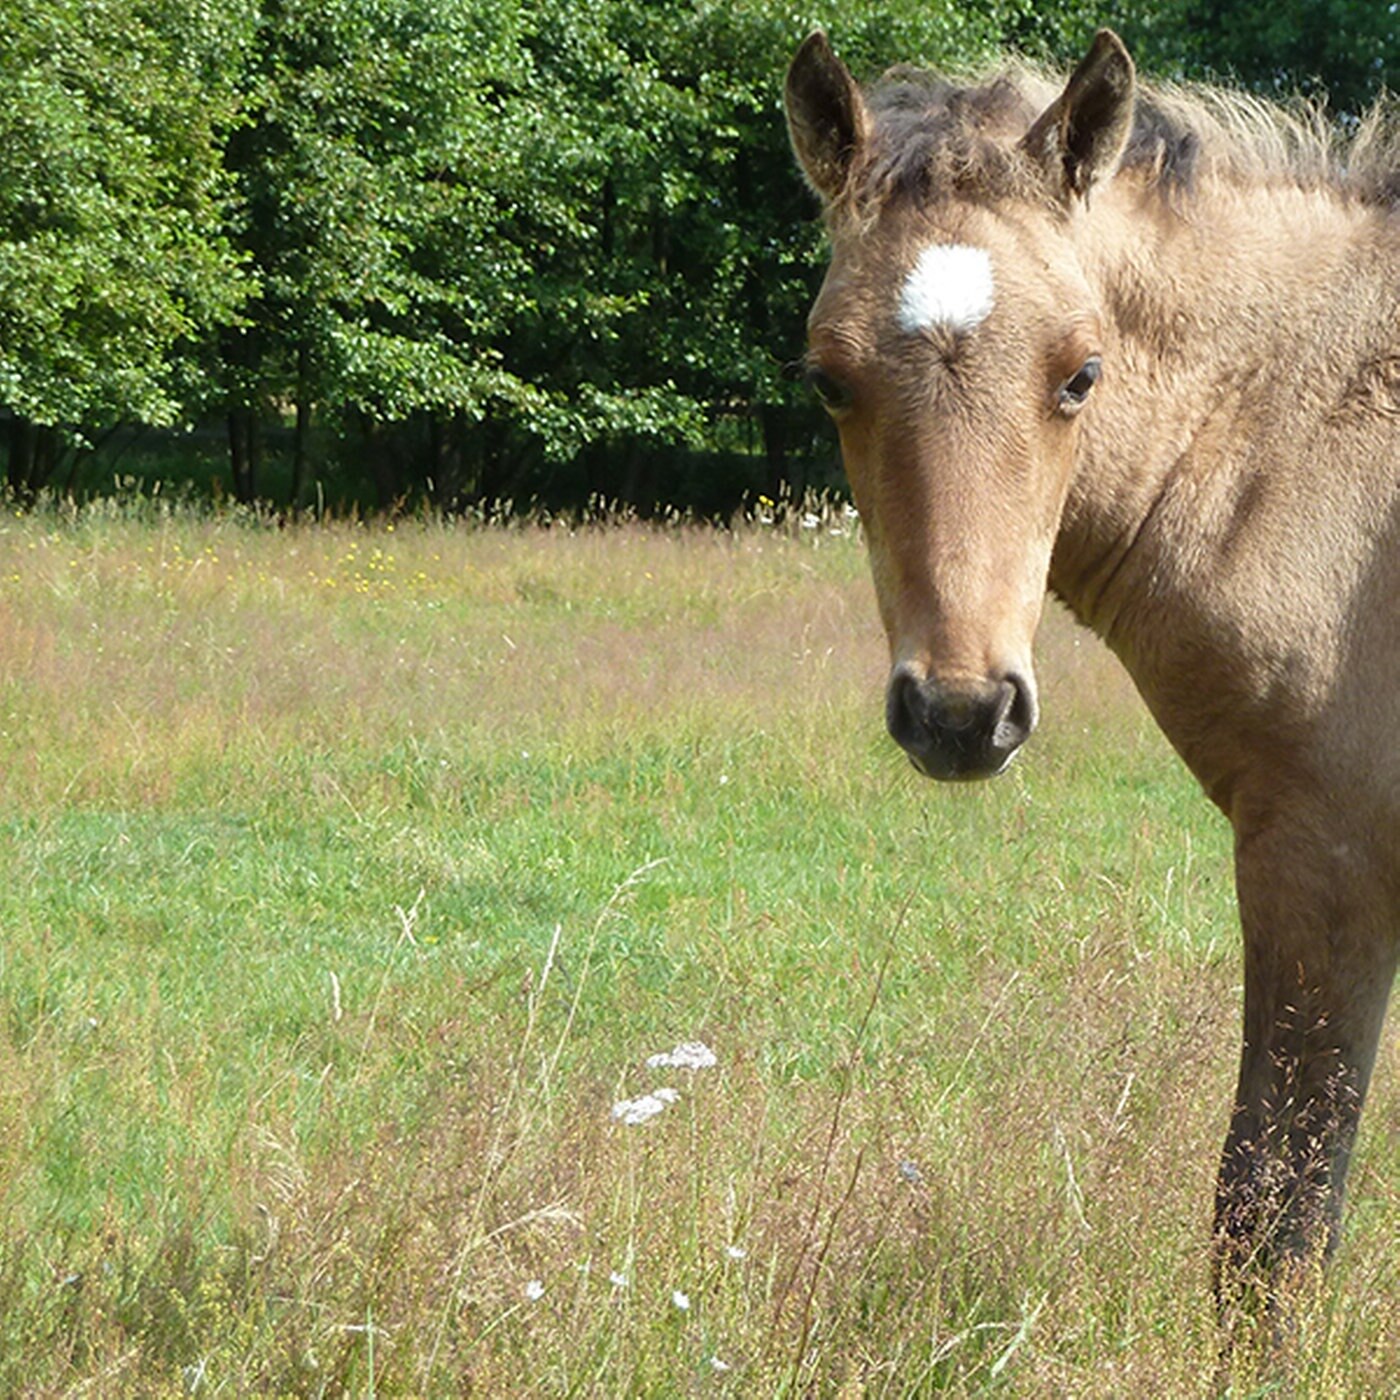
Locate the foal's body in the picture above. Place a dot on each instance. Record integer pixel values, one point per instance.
(1223, 508)
(1233, 532)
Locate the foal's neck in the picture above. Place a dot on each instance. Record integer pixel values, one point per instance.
(1232, 320)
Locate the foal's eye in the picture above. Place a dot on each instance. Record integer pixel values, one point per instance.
(833, 394)
(1075, 389)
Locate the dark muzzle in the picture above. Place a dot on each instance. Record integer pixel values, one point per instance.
(970, 731)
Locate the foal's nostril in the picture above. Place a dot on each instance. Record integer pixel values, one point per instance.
(906, 712)
(1016, 712)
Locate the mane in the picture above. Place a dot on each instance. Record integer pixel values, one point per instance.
(935, 134)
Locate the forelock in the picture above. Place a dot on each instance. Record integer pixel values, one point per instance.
(933, 137)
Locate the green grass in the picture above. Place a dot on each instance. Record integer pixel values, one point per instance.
(349, 875)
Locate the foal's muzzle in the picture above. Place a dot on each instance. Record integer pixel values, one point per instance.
(970, 731)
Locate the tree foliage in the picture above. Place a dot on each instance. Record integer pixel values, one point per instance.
(1347, 51)
(113, 252)
(479, 247)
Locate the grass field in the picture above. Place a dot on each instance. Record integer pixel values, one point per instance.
(350, 875)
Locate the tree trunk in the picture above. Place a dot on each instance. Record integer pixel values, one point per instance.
(45, 457)
(382, 463)
(33, 456)
(493, 463)
(244, 453)
(241, 358)
(21, 451)
(449, 477)
(773, 420)
(303, 428)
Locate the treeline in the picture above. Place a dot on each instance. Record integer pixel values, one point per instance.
(473, 249)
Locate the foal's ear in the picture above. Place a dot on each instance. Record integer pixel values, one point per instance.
(1079, 137)
(826, 115)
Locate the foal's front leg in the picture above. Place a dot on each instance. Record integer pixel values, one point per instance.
(1320, 955)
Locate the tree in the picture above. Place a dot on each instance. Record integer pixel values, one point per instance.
(548, 248)
(356, 149)
(110, 204)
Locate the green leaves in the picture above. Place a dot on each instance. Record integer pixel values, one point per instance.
(111, 196)
(532, 232)
(1346, 49)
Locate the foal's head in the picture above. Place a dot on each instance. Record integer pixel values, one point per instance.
(956, 343)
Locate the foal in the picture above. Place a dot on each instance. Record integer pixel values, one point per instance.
(1145, 348)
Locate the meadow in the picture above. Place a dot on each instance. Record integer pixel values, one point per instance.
(351, 874)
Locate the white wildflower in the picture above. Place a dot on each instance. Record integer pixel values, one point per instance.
(736, 1251)
(680, 1300)
(717, 1365)
(618, 1280)
(630, 1112)
(693, 1054)
(534, 1290)
(810, 522)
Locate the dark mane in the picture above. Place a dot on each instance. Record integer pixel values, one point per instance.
(933, 134)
